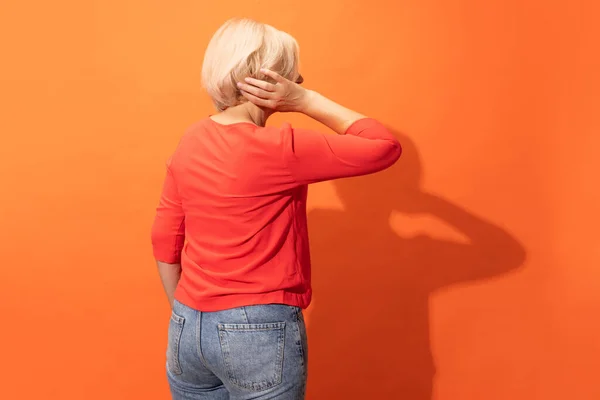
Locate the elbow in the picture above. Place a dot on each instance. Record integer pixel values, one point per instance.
(394, 148)
(392, 154)
(382, 159)
(396, 152)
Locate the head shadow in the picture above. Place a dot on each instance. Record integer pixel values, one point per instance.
(369, 329)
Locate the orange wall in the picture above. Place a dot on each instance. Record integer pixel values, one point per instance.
(421, 288)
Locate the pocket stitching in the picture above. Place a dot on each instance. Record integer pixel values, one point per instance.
(177, 318)
(175, 365)
(256, 386)
(251, 327)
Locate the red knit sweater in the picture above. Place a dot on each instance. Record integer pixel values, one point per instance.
(233, 207)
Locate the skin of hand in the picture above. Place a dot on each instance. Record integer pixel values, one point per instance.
(282, 96)
(287, 96)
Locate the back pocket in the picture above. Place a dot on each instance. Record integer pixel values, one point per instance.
(174, 341)
(253, 354)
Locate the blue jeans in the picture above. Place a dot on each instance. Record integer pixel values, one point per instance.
(254, 352)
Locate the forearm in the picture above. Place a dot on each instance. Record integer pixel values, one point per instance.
(329, 113)
(169, 276)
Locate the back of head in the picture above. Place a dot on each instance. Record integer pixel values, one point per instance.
(239, 49)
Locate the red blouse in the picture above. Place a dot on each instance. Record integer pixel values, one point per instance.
(233, 207)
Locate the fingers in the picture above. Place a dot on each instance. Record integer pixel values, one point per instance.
(273, 74)
(257, 100)
(269, 87)
(258, 92)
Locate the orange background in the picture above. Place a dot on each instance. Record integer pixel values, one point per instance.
(468, 271)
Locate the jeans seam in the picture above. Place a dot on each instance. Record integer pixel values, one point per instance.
(199, 339)
(299, 342)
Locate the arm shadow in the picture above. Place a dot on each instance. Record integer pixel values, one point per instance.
(369, 328)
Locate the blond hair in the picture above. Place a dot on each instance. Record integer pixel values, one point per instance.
(239, 49)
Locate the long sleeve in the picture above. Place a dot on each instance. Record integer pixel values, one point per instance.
(168, 230)
(367, 147)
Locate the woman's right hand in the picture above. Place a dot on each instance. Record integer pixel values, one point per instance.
(282, 96)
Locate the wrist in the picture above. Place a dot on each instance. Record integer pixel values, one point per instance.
(306, 100)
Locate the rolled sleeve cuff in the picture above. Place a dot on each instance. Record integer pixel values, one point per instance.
(168, 256)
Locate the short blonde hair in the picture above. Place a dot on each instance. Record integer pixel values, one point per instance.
(239, 49)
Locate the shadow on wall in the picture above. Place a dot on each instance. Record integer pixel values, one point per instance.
(369, 330)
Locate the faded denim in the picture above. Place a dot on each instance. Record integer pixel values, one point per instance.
(254, 352)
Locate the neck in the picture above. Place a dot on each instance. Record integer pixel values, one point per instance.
(247, 112)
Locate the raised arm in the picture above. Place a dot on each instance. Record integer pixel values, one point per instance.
(362, 145)
(366, 147)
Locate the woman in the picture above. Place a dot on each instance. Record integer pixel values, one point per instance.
(230, 234)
